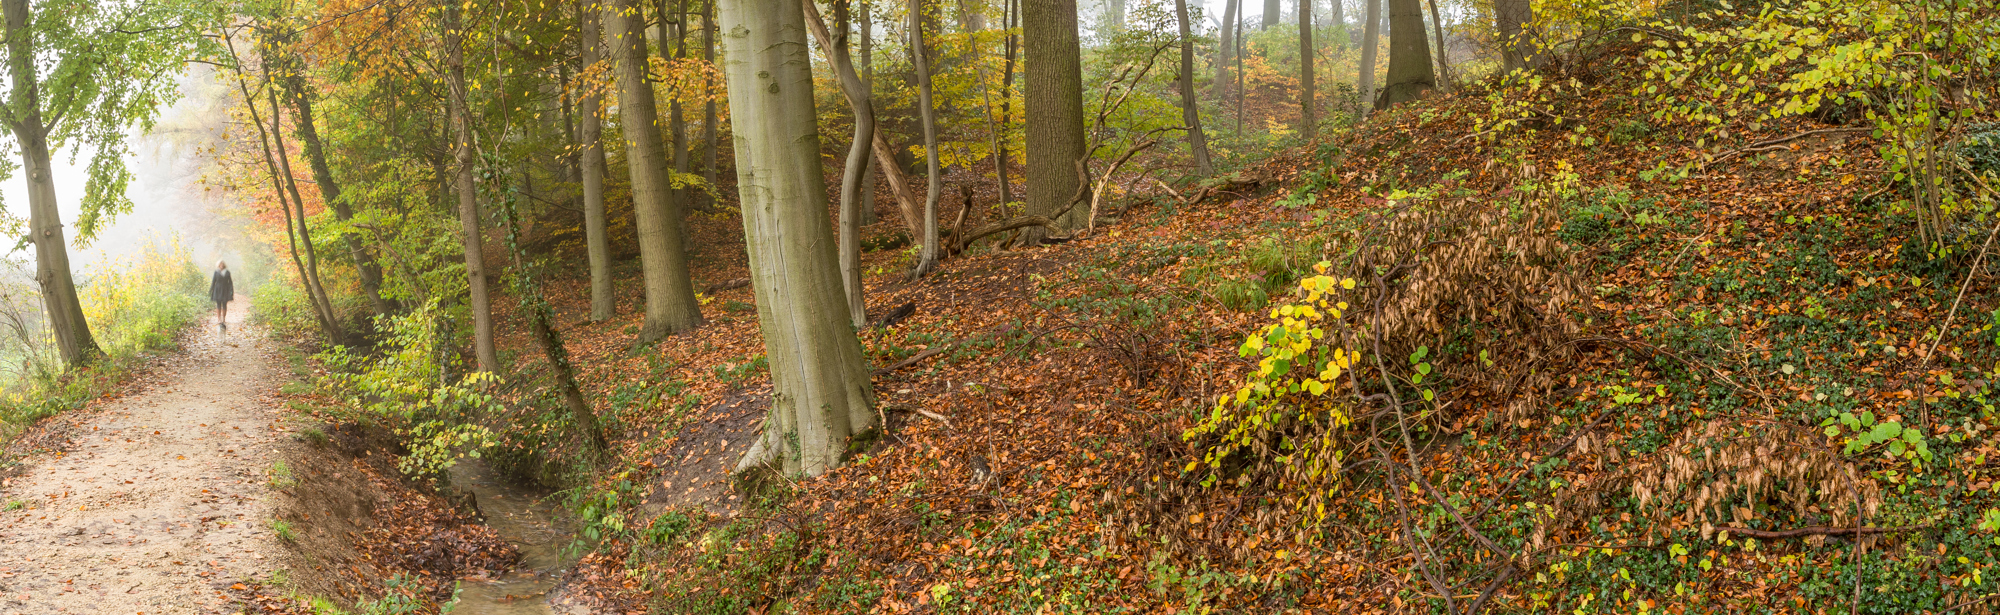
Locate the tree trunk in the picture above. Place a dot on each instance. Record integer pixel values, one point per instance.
(927, 254)
(710, 123)
(868, 83)
(59, 298)
(899, 184)
(315, 289)
(1271, 10)
(1308, 108)
(1007, 100)
(1225, 49)
(1511, 19)
(1055, 97)
(993, 122)
(1191, 114)
(369, 273)
(590, 142)
(1239, 74)
(676, 120)
(1339, 19)
(468, 198)
(1371, 33)
(326, 324)
(1114, 18)
(822, 394)
(670, 302)
(535, 309)
(862, 105)
(1409, 55)
(1443, 56)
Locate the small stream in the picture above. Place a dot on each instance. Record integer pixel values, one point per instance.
(521, 517)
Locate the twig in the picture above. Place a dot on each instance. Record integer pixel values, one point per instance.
(1817, 530)
(1485, 594)
(1963, 284)
(1770, 144)
(928, 353)
(1971, 602)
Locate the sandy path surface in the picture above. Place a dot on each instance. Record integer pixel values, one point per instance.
(161, 499)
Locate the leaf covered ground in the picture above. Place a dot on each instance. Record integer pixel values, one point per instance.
(1755, 319)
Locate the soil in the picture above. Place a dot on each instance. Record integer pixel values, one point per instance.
(156, 502)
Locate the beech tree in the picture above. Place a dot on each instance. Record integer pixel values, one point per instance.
(927, 254)
(1510, 21)
(79, 73)
(862, 104)
(670, 303)
(590, 145)
(821, 389)
(469, 234)
(1308, 116)
(1410, 69)
(1371, 32)
(1190, 114)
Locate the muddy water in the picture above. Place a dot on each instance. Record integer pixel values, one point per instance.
(531, 523)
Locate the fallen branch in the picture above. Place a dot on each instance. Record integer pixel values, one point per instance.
(1770, 144)
(1097, 194)
(726, 285)
(1817, 530)
(927, 353)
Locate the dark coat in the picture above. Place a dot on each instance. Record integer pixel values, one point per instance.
(221, 288)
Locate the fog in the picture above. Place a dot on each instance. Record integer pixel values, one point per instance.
(168, 199)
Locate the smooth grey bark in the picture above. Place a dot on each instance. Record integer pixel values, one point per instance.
(1271, 10)
(1238, 27)
(1226, 49)
(868, 216)
(1055, 143)
(676, 120)
(1339, 19)
(1443, 56)
(59, 299)
(1517, 47)
(590, 143)
(468, 198)
(1409, 55)
(1190, 113)
(1371, 33)
(862, 105)
(927, 254)
(1308, 108)
(670, 304)
(709, 127)
(821, 389)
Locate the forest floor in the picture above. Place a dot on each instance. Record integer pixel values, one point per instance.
(1748, 313)
(153, 501)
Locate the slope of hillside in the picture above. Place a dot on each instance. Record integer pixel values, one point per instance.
(1667, 372)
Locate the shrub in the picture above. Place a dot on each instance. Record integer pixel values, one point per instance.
(133, 305)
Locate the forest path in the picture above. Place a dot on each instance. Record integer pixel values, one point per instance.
(160, 500)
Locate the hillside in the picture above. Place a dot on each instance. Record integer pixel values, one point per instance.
(1746, 361)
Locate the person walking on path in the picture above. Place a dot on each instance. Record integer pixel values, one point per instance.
(221, 289)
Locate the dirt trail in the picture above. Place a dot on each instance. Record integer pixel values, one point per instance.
(161, 499)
